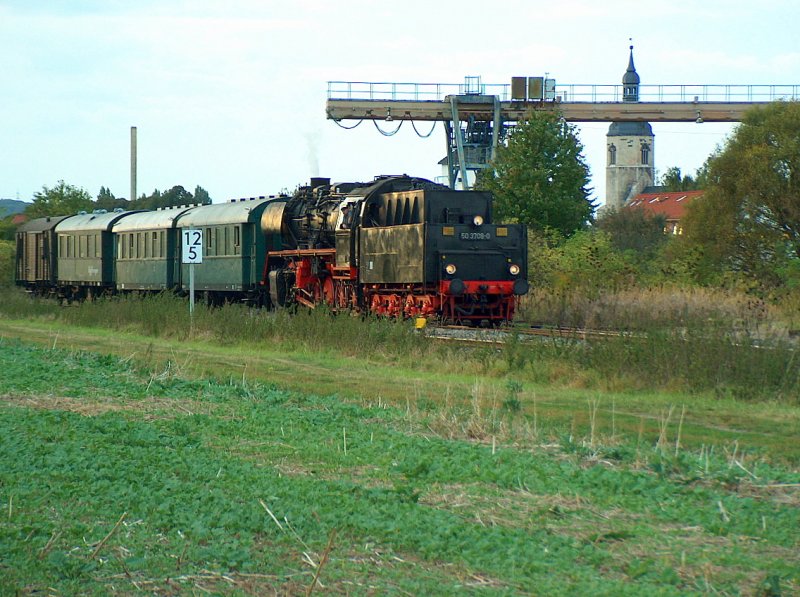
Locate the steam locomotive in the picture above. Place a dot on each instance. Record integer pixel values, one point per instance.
(398, 246)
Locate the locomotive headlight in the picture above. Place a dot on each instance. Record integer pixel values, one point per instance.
(513, 269)
(450, 269)
(477, 220)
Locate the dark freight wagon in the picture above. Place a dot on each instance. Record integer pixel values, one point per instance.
(36, 266)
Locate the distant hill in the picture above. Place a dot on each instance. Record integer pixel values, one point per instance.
(9, 207)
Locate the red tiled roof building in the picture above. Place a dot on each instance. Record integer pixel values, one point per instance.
(671, 205)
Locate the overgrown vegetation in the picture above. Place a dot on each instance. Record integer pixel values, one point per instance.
(6, 263)
(698, 342)
(749, 219)
(120, 479)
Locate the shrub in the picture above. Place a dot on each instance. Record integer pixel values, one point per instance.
(6, 263)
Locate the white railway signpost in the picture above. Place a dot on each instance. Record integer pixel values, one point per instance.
(192, 253)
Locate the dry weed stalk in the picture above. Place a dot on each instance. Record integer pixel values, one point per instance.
(322, 562)
(663, 425)
(107, 537)
(613, 418)
(680, 427)
(594, 403)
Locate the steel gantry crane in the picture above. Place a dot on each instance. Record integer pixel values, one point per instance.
(476, 117)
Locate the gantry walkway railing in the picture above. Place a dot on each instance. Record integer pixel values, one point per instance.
(577, 102)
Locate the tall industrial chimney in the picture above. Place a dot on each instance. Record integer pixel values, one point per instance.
(133, 163)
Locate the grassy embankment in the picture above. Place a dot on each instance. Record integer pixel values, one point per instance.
(118, 478)
(697, 360)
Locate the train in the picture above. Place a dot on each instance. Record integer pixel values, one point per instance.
(397, 246)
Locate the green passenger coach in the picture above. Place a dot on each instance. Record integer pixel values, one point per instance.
(233, 249)
(148, 250)
(86, 253)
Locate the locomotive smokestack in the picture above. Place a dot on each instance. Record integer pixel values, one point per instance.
(133, 163)
(319, 181)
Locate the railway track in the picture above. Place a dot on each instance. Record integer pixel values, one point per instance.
(457, 333)
(498, 336)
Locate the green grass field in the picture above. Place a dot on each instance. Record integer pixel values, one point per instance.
(171, 466)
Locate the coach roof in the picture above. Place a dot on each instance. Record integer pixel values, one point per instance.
(86, 222)
(151, 220)
(237, 212)
(41, 224)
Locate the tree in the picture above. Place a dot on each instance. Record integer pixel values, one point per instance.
(201, 196)
(749, 219)
(177, 195)
(540, 178)
(61, 200)
(7, 228)
(105, 195)
(672, 180)
(635, 230)
(151, 201)
(106, 200)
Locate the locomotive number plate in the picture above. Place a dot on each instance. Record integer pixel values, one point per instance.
(475, 236)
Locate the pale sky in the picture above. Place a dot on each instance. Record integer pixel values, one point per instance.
(231, 95)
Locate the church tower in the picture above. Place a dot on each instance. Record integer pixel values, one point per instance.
(629, 150)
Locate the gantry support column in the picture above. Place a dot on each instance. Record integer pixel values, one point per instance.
(459, 139)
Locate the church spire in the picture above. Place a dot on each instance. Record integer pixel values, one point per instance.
(630, 145)
(630, 82)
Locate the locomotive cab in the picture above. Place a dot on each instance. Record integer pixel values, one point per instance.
(443, 245)
(348, 219)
